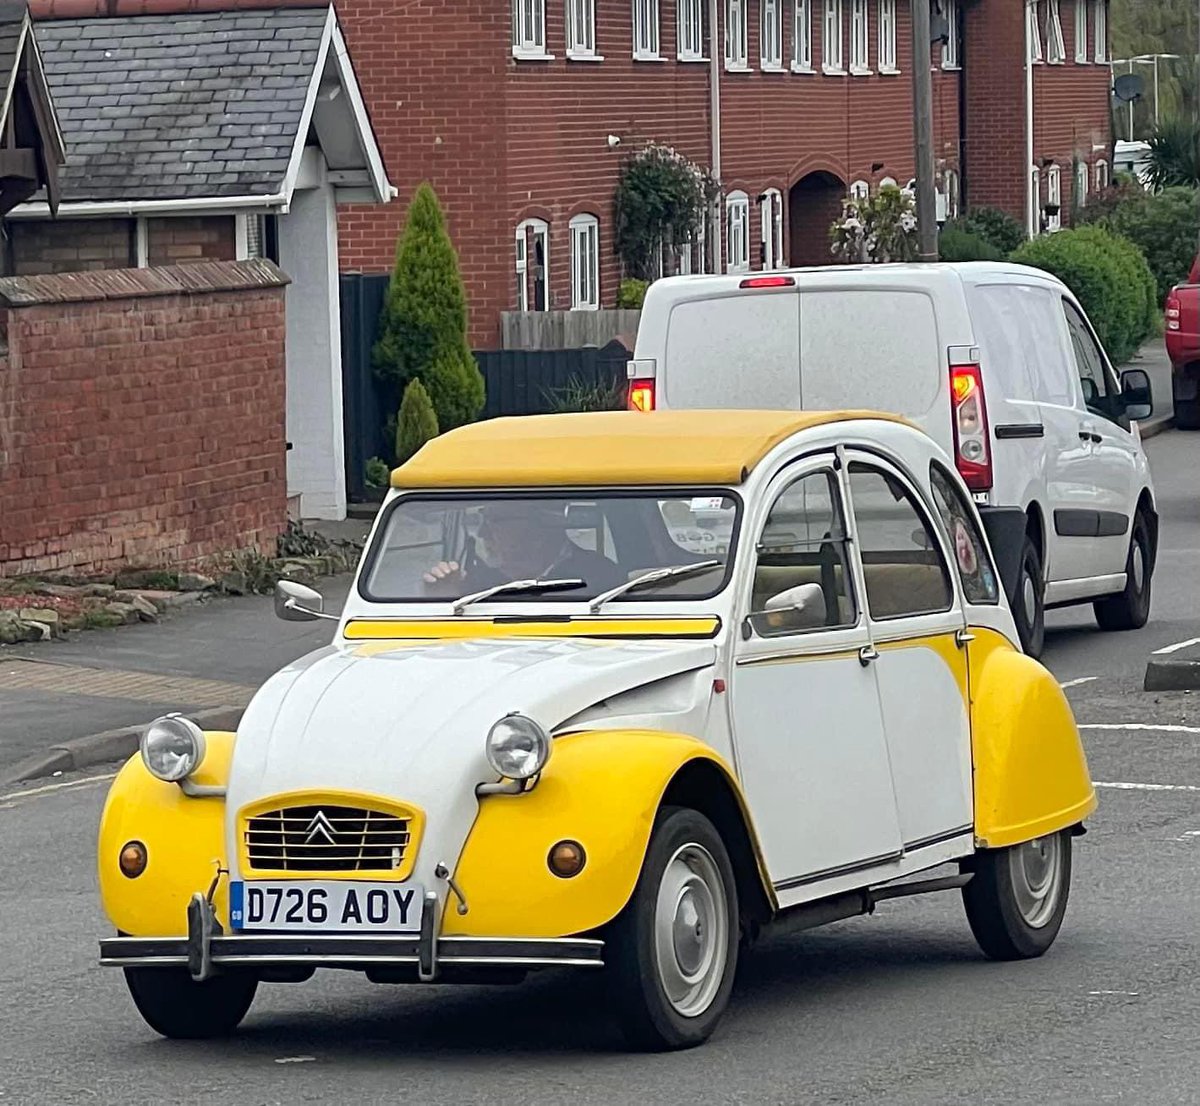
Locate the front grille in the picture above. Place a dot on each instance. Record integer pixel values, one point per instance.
(326, 839)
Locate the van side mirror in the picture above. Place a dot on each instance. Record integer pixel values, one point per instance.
(1137, 396)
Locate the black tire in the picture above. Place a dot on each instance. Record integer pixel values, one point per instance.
(993, 901)
(648, 1017)
(1187, 414)
(1031, 590)
(1130, 610)
(176, 1006)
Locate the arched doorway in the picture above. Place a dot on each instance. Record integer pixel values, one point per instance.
(814, 202)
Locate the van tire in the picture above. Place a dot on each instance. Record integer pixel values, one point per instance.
(1187, 414)
(1130, 610)
(1029, 607)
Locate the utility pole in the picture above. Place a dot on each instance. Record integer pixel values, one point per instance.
(923, 132)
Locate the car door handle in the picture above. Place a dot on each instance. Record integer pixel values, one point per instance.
(867, 654)
(1088, 436)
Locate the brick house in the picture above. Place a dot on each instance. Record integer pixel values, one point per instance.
(508, 109)
(216, 136)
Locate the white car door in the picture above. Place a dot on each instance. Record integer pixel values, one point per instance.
(808, 732)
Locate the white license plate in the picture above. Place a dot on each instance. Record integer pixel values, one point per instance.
(326, 906)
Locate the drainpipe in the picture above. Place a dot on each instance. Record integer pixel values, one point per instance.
(714, 114)
(1031, 200)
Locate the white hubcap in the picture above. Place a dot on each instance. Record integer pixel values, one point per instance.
(691, 930)
(1037, 871)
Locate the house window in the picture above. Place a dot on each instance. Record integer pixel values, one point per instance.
(1081, 32)
(887, 36)
(1033, 31)
(529, 28)
(860, 62)
(737, 216)
(1035, 187)
(770, 33)
(1082, 176)
(802, 57)
(1100, 29)
(1101, 175)
(645, 30)
(1056, 52)
(581, 28)
(690, 42)
(736, 48)
(860, 190)
(585, 263)
(950, 183)
(950, 46)
(889, 182)
(831, 57)
(771, 228)
(1054, 198)
(533, 265)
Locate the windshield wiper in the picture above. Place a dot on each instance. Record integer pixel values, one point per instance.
(516, 585)
(651, 577)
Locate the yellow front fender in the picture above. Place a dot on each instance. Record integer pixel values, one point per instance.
(602, 789)
(184, 839)
(1031, 775)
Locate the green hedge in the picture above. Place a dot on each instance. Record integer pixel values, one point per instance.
(1110, 277)
(632, 293)
(957, 244)
(996, 227)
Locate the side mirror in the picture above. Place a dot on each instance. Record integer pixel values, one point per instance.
(298, 603)
(1136, 394)
(1090, 392)
(806, 601)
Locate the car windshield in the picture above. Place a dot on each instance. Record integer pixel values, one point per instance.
(443, 547)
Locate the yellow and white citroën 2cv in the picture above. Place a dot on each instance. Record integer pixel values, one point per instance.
(615, 692)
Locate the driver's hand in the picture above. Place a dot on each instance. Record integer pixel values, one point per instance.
(444, 572)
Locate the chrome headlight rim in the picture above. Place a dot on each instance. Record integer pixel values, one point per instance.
(189, 747)
(517, 747)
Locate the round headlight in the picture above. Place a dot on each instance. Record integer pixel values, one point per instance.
(517, 747)
(172, 747)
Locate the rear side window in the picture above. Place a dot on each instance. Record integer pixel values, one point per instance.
(1020, 332)
(869, 348)
(739, 351)
(971, 556)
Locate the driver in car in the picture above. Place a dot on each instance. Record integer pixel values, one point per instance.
(523, 540)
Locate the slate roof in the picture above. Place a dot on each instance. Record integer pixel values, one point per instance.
(12, 18)
(180, 106)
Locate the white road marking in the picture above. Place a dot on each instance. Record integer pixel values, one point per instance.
(56, 787)
(1076, 683)
(296, 1060)
(1132, 994)
(1176, 647)
(1147, 786)
(1144, 726)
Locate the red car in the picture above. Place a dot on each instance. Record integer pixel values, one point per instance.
(1183, 347)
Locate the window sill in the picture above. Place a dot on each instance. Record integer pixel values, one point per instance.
(889, 71)
(832, 71)
(951, 67)
(861, 71)
(649, 57)
(1083, 61)
(585, 307)
(774, 67)
(803, 69)
(692, 59)
(740, 67)
(526, 55)
(573, 56)
(1057, 61)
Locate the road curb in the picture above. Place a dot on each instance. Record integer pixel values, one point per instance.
(105, 748)
(1164, 675)
(1155, 426)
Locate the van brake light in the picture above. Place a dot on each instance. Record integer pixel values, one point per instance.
(1172, 312)
(972, 453)
(768, 282)
(641, 395)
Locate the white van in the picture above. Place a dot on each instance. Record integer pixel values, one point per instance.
(997, 362)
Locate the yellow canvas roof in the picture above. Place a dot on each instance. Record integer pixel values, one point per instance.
(610, 447)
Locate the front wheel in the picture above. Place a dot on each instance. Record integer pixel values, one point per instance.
(175, 1005)
(1030, 608)
(1017, 897)
(1130, 610)
(672, 952)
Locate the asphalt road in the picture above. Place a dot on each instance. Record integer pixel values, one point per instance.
(899, 1007)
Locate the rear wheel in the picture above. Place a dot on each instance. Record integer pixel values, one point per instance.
(1187, 414)
(1131, 609)
(175, 1005)
(1186, 387)
(1029, 610)
(1017, 898)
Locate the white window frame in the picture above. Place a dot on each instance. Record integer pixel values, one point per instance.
(689, 30)
(1054, 196)
(950, 59)
(833, 55)
(889, 181)
(1034, 30)
(647, 31)
(860, 38)
(1035, 180)
(1102, 175)
(888, 58)
(770, 225)
(529, 30)
(585, 263)
(1100, 31)
(1083, 178)
(770, 35)
(527, 230)
(1082, 53)
(737, 45)
(1056, 50)
(950, 184)
(581, 30)
(802, 50)
(737, 232)
(859, 190)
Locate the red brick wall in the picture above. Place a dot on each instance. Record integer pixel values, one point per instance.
(183, 239)
(142, 428)
(69, 246)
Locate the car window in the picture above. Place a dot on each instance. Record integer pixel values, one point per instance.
(803, 546)
(902, 565)
(974, 563)
(1089, 363)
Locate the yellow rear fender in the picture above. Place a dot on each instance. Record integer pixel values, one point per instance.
(1031, 775)
(184, 839)
(603, 790)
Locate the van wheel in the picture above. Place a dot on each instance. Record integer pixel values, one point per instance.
(1187, 414)
(672, 952)
(1029, 610)
(1131, 609)
(175, 1005)
(1017, 898)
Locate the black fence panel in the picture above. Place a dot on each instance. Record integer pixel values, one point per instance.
(528, 382)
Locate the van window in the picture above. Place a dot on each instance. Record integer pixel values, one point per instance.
(1019, 332)
(869, 348)
(737, 351)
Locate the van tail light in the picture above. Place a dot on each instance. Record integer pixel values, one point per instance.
(972, 452)
(641, 395)
(1172, 311)
(768, 282)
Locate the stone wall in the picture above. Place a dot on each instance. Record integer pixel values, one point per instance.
(141, 416)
